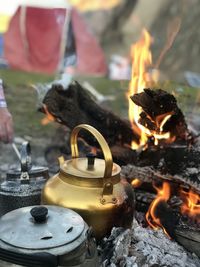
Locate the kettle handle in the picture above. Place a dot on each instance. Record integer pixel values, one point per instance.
(102, 142)
(26, 163)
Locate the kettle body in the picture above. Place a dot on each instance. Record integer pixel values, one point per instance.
(22, 186)
(92, 187)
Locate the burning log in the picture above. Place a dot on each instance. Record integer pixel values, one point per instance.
(74, 105)
(161, 115)
(177, 164)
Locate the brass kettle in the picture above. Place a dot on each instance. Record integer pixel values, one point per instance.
(92, 187)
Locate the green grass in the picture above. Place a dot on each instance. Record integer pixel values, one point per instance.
(18, 78)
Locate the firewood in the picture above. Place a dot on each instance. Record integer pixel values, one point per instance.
(75, 105)
(188, 238)
(149, 174)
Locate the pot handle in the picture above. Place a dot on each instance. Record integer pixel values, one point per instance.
(102, 142)
(38, 259)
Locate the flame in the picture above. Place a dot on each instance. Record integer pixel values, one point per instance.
(163, 194)
(140, 77)
(160, 125)
(136, 183)
(142, 58)
(191, 204)
(49, 117)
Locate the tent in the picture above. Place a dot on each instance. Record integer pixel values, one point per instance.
(38, 39)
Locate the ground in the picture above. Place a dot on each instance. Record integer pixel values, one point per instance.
(22, 101)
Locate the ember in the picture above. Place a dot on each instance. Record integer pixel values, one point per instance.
(163, 195)
(49, 117)
(191, 204)
(136, 183)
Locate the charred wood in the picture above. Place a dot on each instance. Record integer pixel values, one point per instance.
(189, 237)
(143, 200)
(75, 105)
(179, 164)
(156, 105)
(147, 174)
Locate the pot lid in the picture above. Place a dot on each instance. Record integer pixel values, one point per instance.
(33, 172)
(40, 227)
(88, 167)
(26, 170)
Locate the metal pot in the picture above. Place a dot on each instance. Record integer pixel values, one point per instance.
(46, 236)
(22, 186)
(92, 187)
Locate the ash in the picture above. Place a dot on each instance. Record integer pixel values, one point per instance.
(144, 247)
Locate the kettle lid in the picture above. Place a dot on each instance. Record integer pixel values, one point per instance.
(40, 227)
(90, 167)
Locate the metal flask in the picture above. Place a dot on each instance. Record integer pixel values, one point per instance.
(46, 236)
(92, 187)
(22, 186)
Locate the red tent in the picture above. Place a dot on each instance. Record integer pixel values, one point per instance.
(36, 40)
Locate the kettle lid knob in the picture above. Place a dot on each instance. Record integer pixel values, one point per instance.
(91, 159)
(39, 214)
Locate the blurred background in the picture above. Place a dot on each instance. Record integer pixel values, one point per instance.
(90, 41)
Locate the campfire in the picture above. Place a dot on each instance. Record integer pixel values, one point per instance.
(160, 156)
(155, 115)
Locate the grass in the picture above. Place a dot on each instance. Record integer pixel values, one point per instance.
(17, 78)
(22, 99)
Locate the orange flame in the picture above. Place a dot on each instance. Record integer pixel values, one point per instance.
(142, 59)
(163, 194)
(49, 117)
(191, 204)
